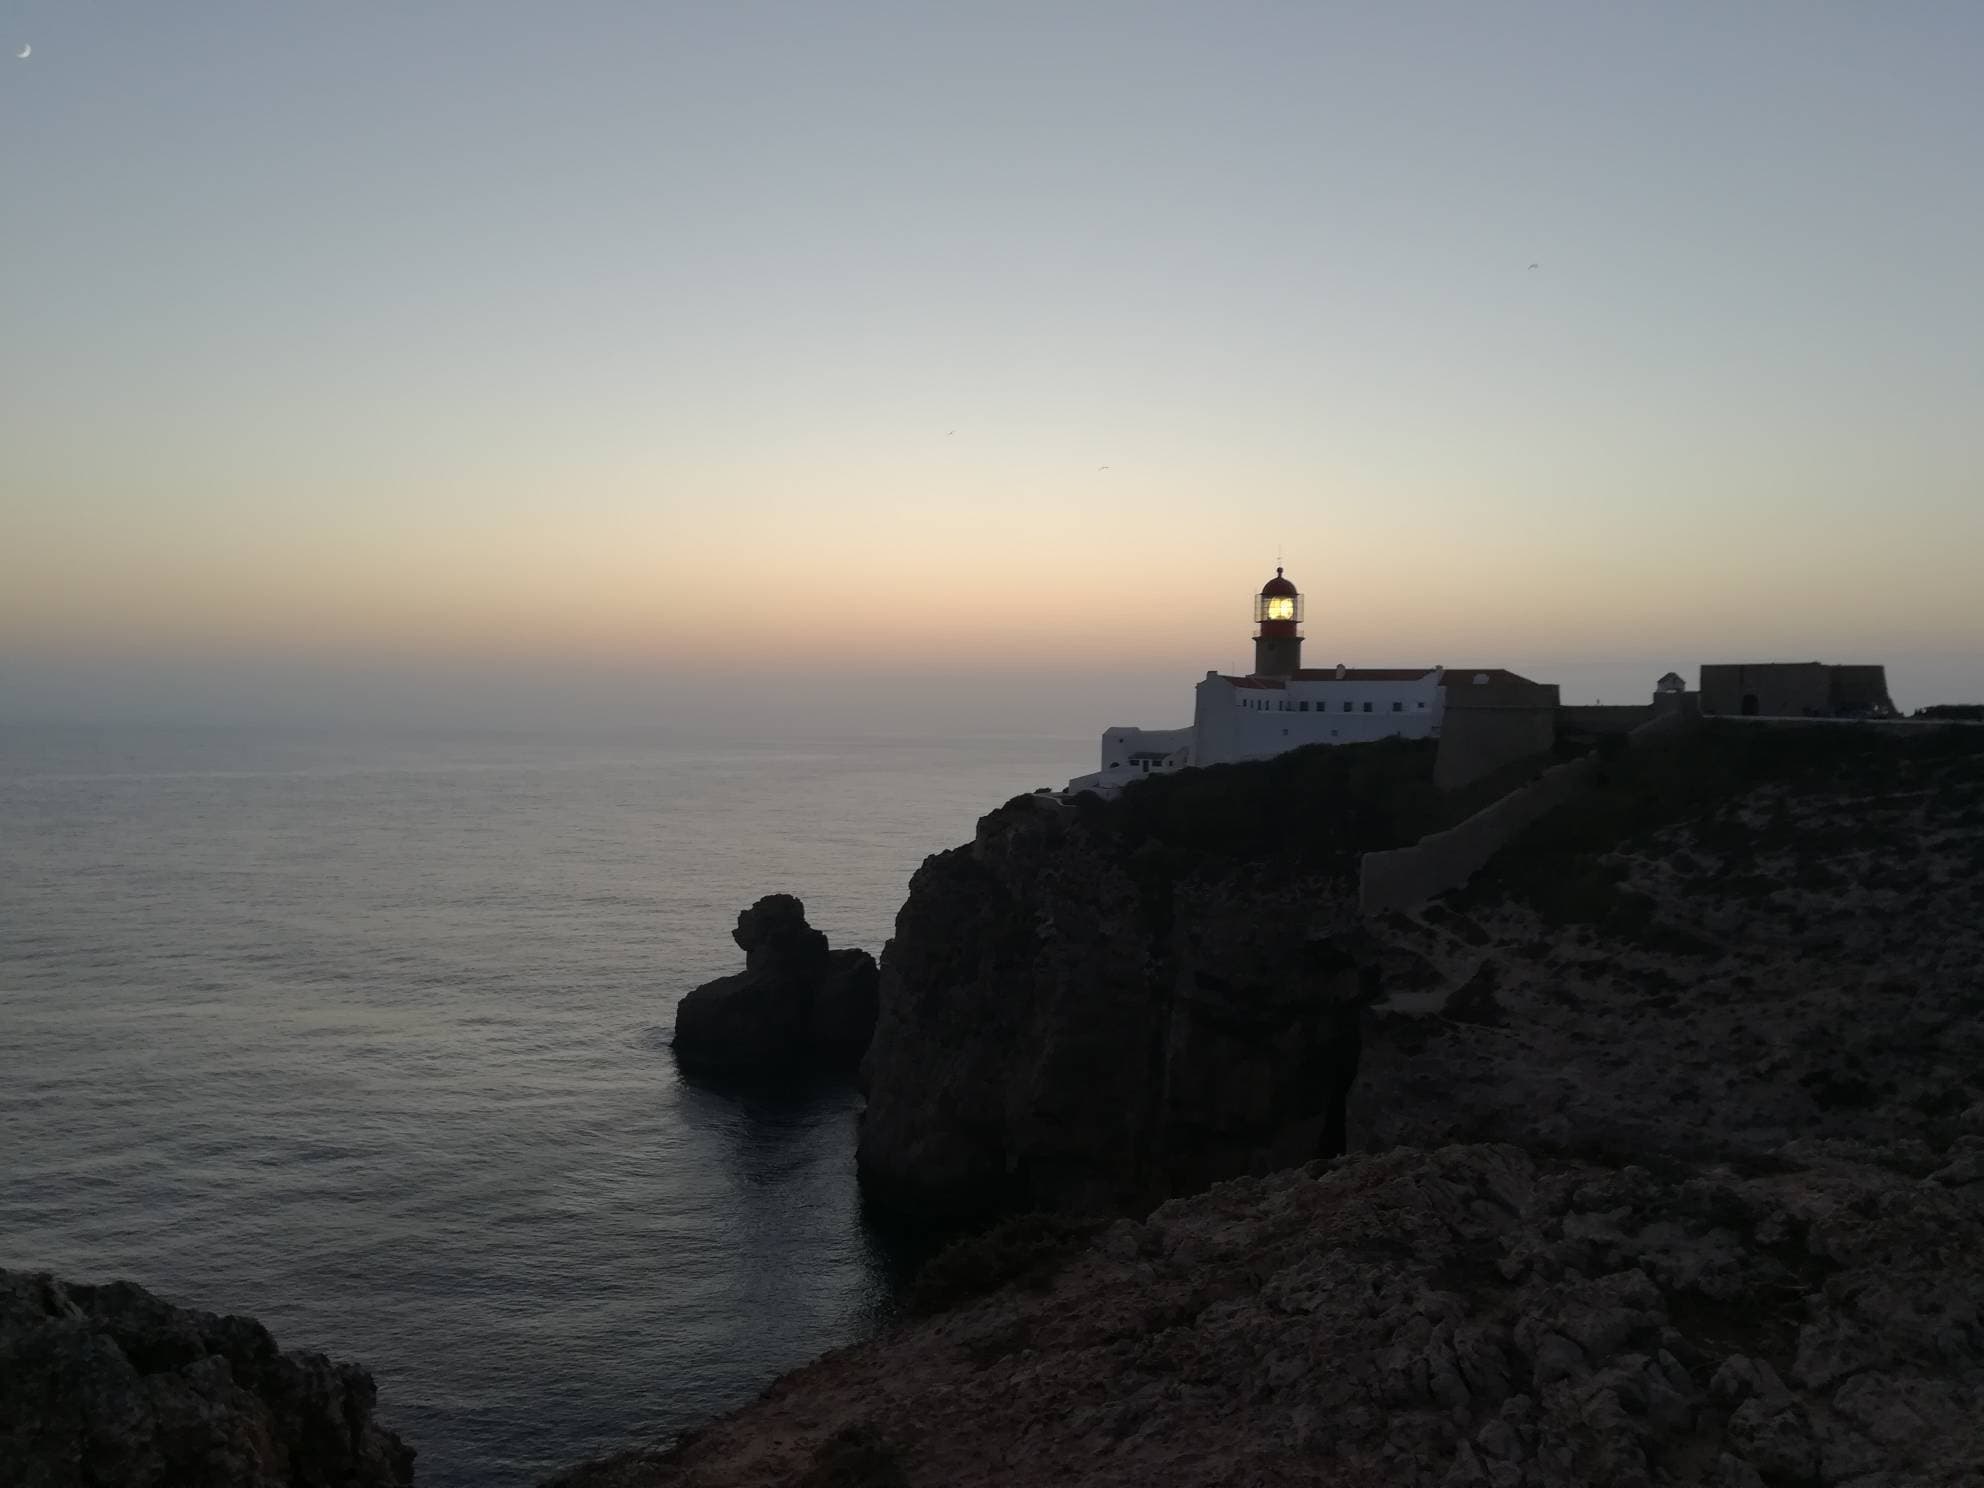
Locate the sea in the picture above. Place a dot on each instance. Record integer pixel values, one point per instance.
(366, 1035)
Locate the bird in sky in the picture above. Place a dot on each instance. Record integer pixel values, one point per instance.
(1102, 467)
(1532, 266)
(949, 432)
(27, 49)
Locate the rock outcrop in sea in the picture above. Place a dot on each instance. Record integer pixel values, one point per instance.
(796, 1006)
(112, 1387)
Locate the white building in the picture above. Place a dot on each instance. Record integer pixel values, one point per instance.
(1282, 705)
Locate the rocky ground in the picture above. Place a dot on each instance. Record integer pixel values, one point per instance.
(110, 1385)
(1471, 1315)
(1804, 957)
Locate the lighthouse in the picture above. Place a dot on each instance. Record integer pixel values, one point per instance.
(1279, 706)
(1278, 642)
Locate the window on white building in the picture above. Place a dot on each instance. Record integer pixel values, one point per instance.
(1346, 707)
(1367, 707)
(1398, 707)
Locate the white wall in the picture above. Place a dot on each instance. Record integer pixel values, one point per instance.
(1119, 743)
(1232, 722)
(1237, 723)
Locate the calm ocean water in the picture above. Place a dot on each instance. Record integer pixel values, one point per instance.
(367, 1037)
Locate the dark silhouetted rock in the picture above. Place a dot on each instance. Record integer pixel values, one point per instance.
(843, 1019)
(1074, 1018)
(777, 941)
(743, 1024)
(111, 1386)
(796, 1006)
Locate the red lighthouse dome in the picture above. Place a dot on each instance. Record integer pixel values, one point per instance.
(1279, 604)
(1278, 641)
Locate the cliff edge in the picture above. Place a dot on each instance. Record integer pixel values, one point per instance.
(1094, 1005)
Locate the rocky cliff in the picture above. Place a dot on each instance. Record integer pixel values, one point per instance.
(1090, 1007)
(111, 1387)
(1721, 1026)
(1732, 939)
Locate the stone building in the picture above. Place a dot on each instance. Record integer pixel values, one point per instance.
(1795, 689)
(1282, 705)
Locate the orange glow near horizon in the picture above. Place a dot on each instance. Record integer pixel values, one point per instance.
(969, 556)
(966, 345)
(637, 591)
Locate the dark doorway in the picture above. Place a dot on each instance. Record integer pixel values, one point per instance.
(1749, 705)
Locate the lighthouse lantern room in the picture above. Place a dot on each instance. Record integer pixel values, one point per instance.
(1278, 641)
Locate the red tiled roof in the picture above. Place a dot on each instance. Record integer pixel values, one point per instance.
(1383, 674)
(1328, 674)
(1493, 674)
(1363, 674)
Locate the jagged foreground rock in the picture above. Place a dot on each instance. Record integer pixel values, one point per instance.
(111, 1387)
(1471, 1315)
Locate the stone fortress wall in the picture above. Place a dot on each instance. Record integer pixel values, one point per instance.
(1794, 689)
(1492, 722)
(1405, 877)
(1605, 718)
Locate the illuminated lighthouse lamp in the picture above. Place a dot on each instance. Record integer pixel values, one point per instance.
(1278, 600)
(1278, 642)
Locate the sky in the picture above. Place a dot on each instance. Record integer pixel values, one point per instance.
(974, 363)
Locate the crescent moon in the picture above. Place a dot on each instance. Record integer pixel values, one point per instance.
(25, 52)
